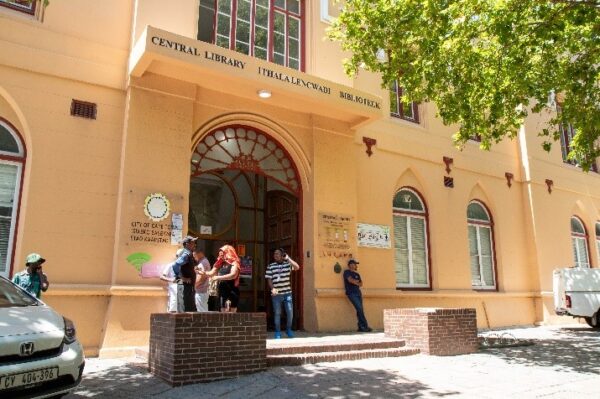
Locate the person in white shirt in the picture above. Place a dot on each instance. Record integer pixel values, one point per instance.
(168, 275)
(202, 282)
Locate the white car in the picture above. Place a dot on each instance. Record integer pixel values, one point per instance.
(40, 356)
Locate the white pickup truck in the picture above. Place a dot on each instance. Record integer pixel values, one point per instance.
(577, 293)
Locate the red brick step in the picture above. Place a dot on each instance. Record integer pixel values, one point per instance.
(336, 356)
(289, 347)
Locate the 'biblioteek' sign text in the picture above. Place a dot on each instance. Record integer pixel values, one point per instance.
(285, 77)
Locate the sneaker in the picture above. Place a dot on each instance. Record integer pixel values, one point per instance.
(368, 329)
(290, 333)
(277, 335)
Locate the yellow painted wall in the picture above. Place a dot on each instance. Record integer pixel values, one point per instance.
(85, 180)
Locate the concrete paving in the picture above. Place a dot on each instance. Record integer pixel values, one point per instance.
(564, 362)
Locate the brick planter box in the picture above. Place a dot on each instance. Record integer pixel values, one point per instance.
(434, 331)
(187, 348)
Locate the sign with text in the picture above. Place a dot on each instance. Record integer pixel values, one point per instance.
(214, 57)
(373, 235)
(336, 235)
(142, 231)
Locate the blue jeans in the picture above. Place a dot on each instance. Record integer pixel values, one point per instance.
(356, 300)
(286, 300)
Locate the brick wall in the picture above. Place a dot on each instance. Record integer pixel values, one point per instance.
(186, 348)
(434, 331)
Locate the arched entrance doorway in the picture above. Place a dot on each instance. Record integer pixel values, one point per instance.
(245, 191)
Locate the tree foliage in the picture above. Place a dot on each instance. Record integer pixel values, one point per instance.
(486, 63)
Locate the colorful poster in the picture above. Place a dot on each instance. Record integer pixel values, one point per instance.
(246, 266)
(374, 236)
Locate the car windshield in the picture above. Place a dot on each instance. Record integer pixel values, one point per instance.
(11, 296)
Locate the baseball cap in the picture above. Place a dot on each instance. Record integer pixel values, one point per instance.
(353, 261)
(188, 239)
(33, 258)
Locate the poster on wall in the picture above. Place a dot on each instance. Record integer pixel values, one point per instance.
(176, 228)
(336, 235)
(374, 235)
(246, 267)
(154, 225)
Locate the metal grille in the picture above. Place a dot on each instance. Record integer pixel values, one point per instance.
(83, 109)
(39, 355)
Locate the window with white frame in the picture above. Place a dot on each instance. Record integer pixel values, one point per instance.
(12, 157)
(579, 240)
(481, 246)
(268, 29)
(411, 245)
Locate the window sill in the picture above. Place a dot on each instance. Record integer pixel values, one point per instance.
(413, 289)
(577, 167)
(485, 289)
(22, 16)
(407, 120)
(404, 122)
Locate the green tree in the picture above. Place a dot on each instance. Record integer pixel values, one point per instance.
(486, 63)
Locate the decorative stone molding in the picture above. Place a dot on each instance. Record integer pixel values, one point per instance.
(509, 178)
(369, 142)
(549, 184)
(448, 161)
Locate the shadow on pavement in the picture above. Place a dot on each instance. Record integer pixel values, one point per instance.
(322, 381)
(125, 380)
(574, 349)
(310, 381)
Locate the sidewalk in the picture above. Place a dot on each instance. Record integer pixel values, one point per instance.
(563, 363)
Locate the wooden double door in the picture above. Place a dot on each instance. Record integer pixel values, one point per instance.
(255, 218)
(282, 232)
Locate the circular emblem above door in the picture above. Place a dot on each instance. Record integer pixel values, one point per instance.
(157, 207)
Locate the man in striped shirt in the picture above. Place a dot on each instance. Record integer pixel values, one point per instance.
(278, 276)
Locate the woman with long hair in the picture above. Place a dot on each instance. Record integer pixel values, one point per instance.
(226, 271)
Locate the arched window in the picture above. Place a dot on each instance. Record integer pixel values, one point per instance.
(481, 246)
(579, 239)
(245, 148)
(411, 245)
(12, 158)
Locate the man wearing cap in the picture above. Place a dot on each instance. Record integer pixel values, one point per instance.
(32, 279)
(185, 276)
(352, 283)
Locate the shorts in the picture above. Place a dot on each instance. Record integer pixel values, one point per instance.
(228, 292)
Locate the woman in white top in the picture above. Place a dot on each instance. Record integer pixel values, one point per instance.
(168, 275)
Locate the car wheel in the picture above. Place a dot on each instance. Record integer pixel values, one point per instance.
(593, 321)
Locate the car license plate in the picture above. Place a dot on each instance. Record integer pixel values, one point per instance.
(28, 378)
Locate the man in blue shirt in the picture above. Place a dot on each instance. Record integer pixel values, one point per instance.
(352, 283)
(185, 276)
(32, 279)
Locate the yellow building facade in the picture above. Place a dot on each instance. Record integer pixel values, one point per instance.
(126, 124)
